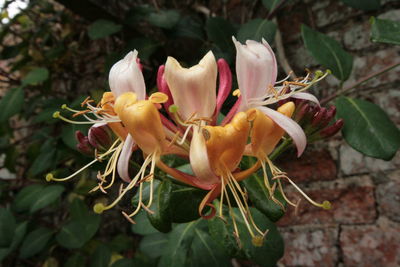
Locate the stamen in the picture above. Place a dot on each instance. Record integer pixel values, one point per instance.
(236, 93)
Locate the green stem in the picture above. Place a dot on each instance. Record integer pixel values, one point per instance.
(281, 148)
(360, 81)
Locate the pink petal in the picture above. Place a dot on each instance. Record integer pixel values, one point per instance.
(290, 127)
(306, 96)
(199, 159)
(163, 86)
(124, 157)
(225, 83)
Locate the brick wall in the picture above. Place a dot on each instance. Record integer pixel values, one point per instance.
(363, 227)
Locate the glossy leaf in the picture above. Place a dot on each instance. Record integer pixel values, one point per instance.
(366, 5)
(367, 128)
(11, 103)
(270, 4)
(145, 46)
(153, 245)
(36, 76)
(188, 26)
(385, 31)
(161, 219)
(76, 260)
(259, 196)
(35, 242)
(82, 227)
(257, 29)
(47, 196)
(102, 28)
(101, 257)
(164, 18)
(26, 197)
(220, 32)
(7, 227)
(178, 245)
(328, 52)
(143, 225)
(124, 263)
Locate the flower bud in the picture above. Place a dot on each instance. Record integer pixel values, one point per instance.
(333, 129)
(100, 136)
(83, 144)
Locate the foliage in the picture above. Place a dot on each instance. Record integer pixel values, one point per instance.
(54, 55)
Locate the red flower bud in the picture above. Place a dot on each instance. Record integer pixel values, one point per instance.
(333, 129)
(100, 136)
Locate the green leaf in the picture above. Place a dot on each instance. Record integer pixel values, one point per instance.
(36, 76)
(19, 234)
(161, 219)
(256, 30)
(102, 28)
(328, 52)
(82, 227)
(385, 31)
(7, 227)
(43, 162)
(366, 5)
(68, 133)
(367, 128)
(47, 196)
(153, 245)
(206, 252)
(166, 19)
(101, 257)
(175, 253)
(124, 263)
(142, 226)
(26, 197)
(260, 197)
(145, 46)
(270, 4)
(121, 243)
(76, 260)
(189, 26)
(184, 203)
(35, 242)
(11, 103)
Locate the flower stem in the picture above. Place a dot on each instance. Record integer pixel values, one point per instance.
(281, 148)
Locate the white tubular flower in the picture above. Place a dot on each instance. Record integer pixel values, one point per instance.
(126, 76)
(193, 89)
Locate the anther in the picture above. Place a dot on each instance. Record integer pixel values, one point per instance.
(236, 93)
(158, 98)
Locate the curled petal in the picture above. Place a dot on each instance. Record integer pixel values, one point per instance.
(225, 83)
(126, 76)
(199, 159)
(290, 127)
(124, 157)
(306, 96)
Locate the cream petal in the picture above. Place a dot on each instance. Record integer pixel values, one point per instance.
(124, 157)
(193, 89)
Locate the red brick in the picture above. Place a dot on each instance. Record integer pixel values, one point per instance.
(310, 247)
(388, 200)
(371, 245)
(349, 205)
(311, 166)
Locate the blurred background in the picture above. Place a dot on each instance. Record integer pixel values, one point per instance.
(57, 52)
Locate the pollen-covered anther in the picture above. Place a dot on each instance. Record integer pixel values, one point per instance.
(236, 93)
(158, 98)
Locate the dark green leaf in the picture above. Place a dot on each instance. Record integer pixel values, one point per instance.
(154, 245)
(101, 257)
(142, 226)
(35, 242)
(366, 5)
(102, 28)
(44, 161)
(19, 234)
(11, 103)
(367, 128)
(161, 219)
(188, 26)
(47, 196)
(36, 76)
(184, 203)
(270, 4)
(82, 227)
(179, 242)
(7, 227)
(122, 243)
(205, 252)
(145, 46)
(164, 18)
(257, 29)
(124, 263)
(76, 260)
(26, 197)
(260, 197)
(328, 52)
(385, 31)
(68, 133)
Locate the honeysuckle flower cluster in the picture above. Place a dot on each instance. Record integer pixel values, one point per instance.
(181, 119)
